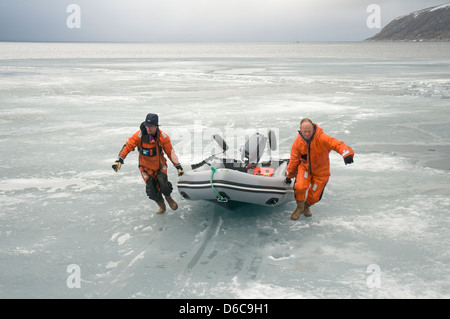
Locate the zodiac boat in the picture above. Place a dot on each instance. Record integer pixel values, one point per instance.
(224, 180)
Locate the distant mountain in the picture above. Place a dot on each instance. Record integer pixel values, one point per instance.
(431, 24)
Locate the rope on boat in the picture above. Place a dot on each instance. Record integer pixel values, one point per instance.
(220, 198)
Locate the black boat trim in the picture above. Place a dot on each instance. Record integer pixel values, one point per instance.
(224, 181)
(235, 186)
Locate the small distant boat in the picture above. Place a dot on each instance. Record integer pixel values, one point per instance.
(225, 180)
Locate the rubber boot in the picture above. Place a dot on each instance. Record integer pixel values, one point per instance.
(298, 211)
(162, 207)
(172, 204)
(306, 211)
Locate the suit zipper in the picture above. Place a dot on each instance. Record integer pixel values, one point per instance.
(158, 151)
(309, 157)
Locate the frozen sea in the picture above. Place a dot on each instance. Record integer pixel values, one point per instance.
(70, 227)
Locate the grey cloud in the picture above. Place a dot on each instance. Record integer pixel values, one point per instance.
(197, 20)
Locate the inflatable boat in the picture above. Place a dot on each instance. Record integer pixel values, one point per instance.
(226, 180)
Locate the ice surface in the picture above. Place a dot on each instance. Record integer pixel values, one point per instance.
(67, 109)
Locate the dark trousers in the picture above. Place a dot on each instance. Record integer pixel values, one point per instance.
(156, 187)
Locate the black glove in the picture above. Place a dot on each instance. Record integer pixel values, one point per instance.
(348, 159)
(179, 169)
(117, 164)
(287, 180)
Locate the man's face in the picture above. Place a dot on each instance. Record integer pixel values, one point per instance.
(307, 130)
(151, 129)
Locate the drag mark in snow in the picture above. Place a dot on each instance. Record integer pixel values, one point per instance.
(212, 231)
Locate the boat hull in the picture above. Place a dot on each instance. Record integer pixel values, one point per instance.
(225, 184)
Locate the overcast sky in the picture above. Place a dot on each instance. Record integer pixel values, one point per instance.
(198, 20)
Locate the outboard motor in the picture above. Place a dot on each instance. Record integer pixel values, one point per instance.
(254, 148)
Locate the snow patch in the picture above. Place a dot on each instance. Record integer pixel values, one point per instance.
(122, 239)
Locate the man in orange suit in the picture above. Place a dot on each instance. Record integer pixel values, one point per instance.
(152, 143)
(310, 164)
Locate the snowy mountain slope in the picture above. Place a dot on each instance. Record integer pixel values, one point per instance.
(431, 24)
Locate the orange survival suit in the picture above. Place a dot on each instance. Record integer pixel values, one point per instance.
(152, 162)
(310, 161)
